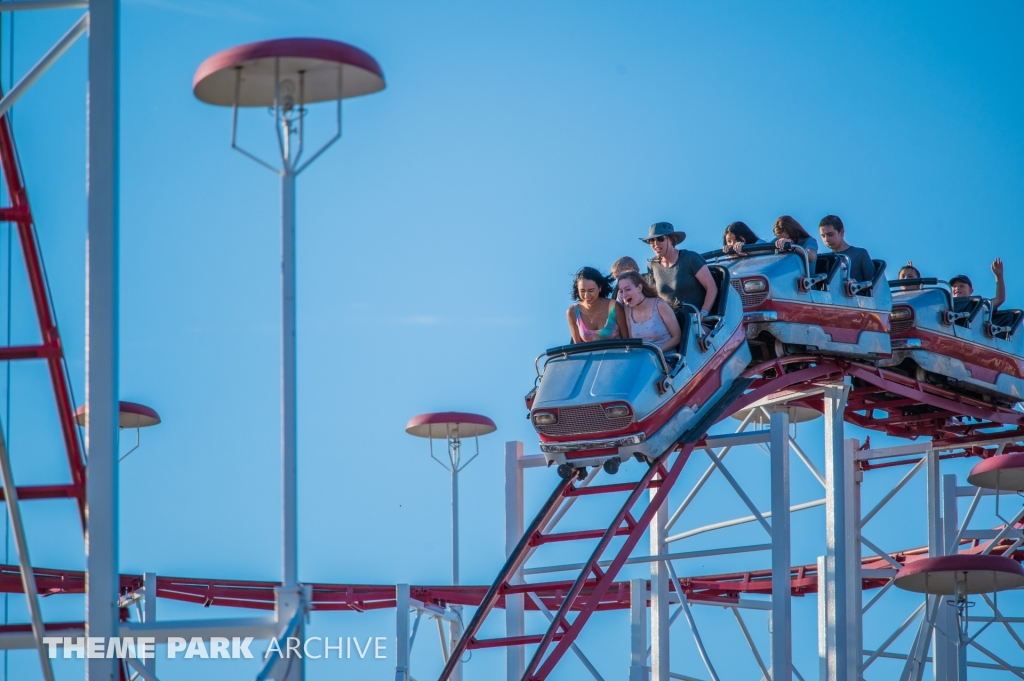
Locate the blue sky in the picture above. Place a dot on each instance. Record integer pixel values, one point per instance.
(515, 142)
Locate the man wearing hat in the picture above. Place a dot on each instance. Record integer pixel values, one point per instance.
(680, 276)
(963, 288)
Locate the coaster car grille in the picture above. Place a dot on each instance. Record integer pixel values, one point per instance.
(900, 326)
(582, 420)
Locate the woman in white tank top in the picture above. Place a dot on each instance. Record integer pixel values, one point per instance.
(649, 317)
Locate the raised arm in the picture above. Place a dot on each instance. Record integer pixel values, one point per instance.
(710, 289)
(1000, 297)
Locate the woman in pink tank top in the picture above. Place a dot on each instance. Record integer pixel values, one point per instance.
(594, 317)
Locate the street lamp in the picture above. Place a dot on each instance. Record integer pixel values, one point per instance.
(285, 75)
(453, 427)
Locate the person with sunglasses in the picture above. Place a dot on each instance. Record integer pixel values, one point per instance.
(680, 276)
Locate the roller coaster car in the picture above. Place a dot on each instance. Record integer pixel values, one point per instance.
(600, 403)
(957, 342)
(792, 306)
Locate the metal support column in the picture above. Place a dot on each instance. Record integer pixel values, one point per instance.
(659, 596)
(149, 613)
(942, 515)
(455, 627)
(515, 656)
(842, 553)
(781, 614)
(855, 588)
(826, 635)
(28, 578)
(402, 632)
(946, 648)
(101, 347)
(289, 431)
(638, 630)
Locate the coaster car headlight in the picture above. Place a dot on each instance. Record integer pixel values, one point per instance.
(617, 410)
(545, 418)
(754, 285)
(902, 313)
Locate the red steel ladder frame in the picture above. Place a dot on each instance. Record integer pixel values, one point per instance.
(50, 349)
(583, 595)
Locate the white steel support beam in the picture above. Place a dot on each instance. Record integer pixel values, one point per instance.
(842, 559)
(515, 656)
(149, 613)
(291, 610)
(289, 426)
(944, 637)
(781, 617)
(101, 354)
(28, 578)
(826, 634)
(659, 595)
(402, 632)
(48, 59)
(637, 630)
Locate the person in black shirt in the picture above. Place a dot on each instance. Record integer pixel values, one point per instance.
(680, 276)
(834, 235)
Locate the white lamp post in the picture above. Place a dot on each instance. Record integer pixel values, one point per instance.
(453, 427)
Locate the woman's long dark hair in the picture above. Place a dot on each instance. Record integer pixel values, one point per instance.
(638, 280)
(590, 274)
(740, 232)
(793, 230)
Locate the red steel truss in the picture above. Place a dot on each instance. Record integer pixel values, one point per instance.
(50, 349)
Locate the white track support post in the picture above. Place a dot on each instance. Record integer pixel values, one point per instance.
(946, 651)
(402, 632)
(659, 596)
(781, 614)
(149, 613)
(515, 624)
(28, 577)
(101, 346)
(291, 612)
(842, 560)
(826, 642)
(637, 630)
(289, 427)
(855, 584)
(944, 648)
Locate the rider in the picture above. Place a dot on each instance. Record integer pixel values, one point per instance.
(594, 317)
(962, 287)
(736, 236)
(788, 231)
(908, 271)
(650, 318)
(680, 276)
(834, 235)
